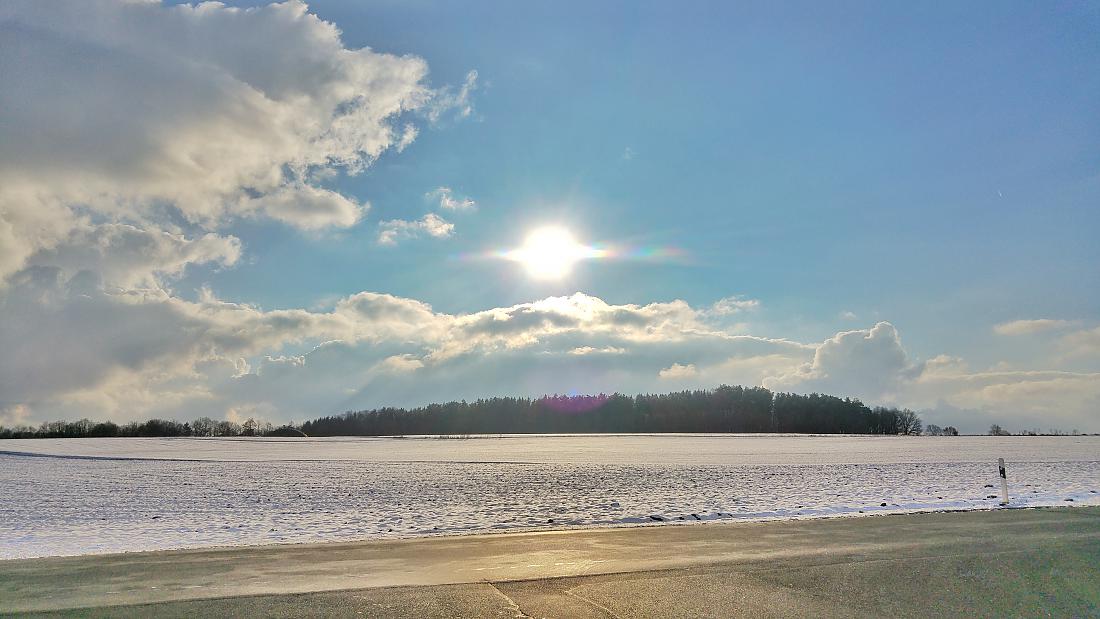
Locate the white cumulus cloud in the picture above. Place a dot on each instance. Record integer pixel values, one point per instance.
(678, 371)
(70, 347)
(733, 305)
(1028, 327)
(182, 118)
(449, 201)
(392, 231)
(870, 362)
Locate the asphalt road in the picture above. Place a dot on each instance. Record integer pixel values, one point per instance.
(1012, 562)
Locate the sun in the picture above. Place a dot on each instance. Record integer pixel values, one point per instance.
(550, 252)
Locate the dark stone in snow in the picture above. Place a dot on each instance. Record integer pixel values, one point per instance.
(550, 520)
(696, 516)
(988, 486)
(882, 504)
(657, 518)
(1069, 499)
(992, 496)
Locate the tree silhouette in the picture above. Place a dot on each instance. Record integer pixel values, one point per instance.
(724, 409)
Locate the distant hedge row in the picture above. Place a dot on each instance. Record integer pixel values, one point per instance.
(203, 426)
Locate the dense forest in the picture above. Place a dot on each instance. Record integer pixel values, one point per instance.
(725, 409)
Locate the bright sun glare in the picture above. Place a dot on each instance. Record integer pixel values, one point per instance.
(551, 252)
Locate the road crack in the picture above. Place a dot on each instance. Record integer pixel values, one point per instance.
(515, 607)
(591, 602)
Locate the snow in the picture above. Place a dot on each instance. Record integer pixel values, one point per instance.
(81, 496)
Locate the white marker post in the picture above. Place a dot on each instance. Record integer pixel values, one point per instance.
(1004, 481)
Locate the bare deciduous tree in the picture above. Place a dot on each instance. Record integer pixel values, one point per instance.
(908, 422)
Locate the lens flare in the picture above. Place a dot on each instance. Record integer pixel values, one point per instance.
(551, 252)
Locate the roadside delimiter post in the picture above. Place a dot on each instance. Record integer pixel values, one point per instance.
(1004, 481)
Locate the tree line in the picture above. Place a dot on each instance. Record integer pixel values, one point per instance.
(997, 430)
(203, 426)
(725, 409)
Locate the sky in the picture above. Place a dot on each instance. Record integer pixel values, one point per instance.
(286, 211)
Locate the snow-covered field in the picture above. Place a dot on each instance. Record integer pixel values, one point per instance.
(78, 496)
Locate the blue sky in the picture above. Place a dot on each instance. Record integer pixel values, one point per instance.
(933, 167)
(937, 168)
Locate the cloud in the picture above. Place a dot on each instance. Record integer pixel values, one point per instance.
(1029, 327)
(447, 100)
(449, 201)
(184, 118)
(128, 256)
(72, 347)
(72, 344)
(394, 230)
(401, 363)
(61, 336)
(678, 371)
(1081, 343)
(589, 350)
(870, 363)
(1014, 399)
(944, 366)
(733, 305)
(309, 208)
(847, 315)
(15, 415)
(132, 134)
(135, 135)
